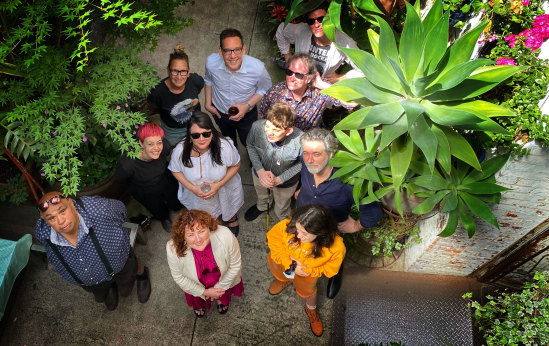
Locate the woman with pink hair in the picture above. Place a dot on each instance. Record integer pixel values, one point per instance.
(149, 182)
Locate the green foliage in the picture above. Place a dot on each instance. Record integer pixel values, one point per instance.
(420, 93)
(466, 191)
(520, 318)
(31, 27)
(15, 191)
(59, 127)
(390, 236)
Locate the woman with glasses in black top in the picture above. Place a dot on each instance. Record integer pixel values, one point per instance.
(206, 165)
(176, 97)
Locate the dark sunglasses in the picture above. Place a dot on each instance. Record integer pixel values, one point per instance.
(297, 74)
(52, 201)
(311, 21)
(206, 134)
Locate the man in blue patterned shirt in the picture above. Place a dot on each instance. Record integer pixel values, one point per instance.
(86, 243)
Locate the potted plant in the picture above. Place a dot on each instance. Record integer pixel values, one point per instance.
(420, 94)
(71, 98)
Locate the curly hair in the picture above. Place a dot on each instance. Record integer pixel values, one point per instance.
(317, 220)
(186, 220)
(281, 115)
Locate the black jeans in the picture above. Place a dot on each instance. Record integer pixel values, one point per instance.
(229, 128)
(124, 280)
(160, 198)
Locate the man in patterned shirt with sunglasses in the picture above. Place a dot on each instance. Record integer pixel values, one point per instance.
(301, 91)
(87, 245)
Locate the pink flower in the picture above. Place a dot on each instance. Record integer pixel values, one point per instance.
(129, 97)
(505, 61)
(136, 126)
(134, 132)
(42, 174)
(124, 124)
(104, 125)
(483, 10)
(84, 139)
(126, 105)
(525, 2)
(117, 107)
(45, 111)
(54, 133)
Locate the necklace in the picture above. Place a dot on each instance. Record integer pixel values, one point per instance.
(204, 187)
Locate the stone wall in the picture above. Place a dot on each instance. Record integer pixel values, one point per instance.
(519, 211)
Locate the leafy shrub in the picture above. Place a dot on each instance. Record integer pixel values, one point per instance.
(520, 318)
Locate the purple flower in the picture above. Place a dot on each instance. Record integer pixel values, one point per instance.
(126, 105)
(84, 139)
(136, 126)
(142, 123)
(45, 111)
(104, 125)
(54, 133)
(42, 174)
(505, 61)
(86, 80)
(117, 107)
(134, 132)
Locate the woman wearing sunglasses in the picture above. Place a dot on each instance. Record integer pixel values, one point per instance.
(149, 182)
(206, 165)
(176, 97)
(309, 37)
(205, 262)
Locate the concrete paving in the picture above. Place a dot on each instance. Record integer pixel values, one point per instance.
(49, 311)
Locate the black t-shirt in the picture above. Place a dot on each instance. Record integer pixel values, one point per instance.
(319, 54)
(143, 173)
(172, 106)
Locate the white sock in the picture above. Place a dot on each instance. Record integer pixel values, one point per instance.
(310, 307)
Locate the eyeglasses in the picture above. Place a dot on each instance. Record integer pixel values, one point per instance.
(311, 21)
(297, 74)
(205, 134)
(175, 72)
(52, 201)
(236, 51)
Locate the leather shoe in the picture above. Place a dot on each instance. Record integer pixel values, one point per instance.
(278, 286)
(252, 213)
(314, 322)
(167, 225)
(111, 301)
(143, 286)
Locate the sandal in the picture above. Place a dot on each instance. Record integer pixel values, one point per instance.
(221, 308)
(197, 311)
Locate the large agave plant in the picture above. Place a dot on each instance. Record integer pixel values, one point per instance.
(419, 92)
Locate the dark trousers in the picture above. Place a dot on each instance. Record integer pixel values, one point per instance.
(124, 280)
(229, 127)
(158, 198)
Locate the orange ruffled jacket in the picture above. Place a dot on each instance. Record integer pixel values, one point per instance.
(281, 250)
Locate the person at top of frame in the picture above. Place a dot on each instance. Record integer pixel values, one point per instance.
(309, 37)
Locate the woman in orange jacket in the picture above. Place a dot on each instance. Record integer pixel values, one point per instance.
(303, 248)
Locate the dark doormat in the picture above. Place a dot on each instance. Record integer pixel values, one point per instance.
(375, 307)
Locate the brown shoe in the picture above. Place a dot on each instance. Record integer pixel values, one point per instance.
(278, 286)
(314, 320)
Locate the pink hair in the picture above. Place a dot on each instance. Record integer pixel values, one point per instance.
(150, 130)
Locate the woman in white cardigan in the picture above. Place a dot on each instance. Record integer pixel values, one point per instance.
(204, 260)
